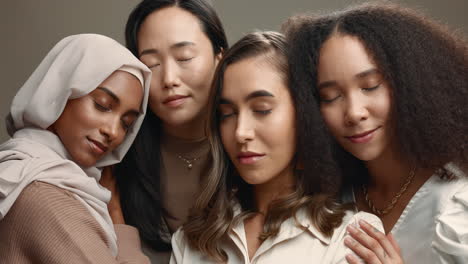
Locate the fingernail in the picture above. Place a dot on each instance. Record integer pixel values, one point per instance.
(349, 241)
(351, 229)
(362, 222)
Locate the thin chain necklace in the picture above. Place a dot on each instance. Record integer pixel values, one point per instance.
(188, 161)
(395, 198)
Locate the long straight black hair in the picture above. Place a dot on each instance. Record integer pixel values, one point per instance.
(137, 175)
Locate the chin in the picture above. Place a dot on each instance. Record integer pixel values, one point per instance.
(365, 155)
(84, 162)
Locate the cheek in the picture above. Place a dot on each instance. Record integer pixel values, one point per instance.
(227, 133)
(199, 76)
(332, 118)
(382, 106)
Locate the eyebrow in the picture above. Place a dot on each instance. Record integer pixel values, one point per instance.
(367, 73)
(110, 93)
(359, 76)
(177, 45)
(256, 94)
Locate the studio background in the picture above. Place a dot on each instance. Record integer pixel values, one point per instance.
(30, 28)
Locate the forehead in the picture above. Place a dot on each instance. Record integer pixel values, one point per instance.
(253, 74)
(125, 86)
(343, 55)
(169, 25)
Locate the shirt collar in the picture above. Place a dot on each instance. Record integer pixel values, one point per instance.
(293, 226)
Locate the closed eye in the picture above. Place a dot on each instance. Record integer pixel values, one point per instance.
(185, 60)
(326, 101)
(263, 112)
(371, 88)
(101, 107)
(154, 65)
(225, 116)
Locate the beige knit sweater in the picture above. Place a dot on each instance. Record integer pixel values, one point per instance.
(47, 225)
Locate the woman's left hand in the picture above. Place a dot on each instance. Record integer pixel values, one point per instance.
(372, 246)
(115, 210)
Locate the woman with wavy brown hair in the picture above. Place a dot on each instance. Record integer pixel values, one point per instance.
(263, 203)
(392, 86)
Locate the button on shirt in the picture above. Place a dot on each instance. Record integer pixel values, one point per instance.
(293, 244)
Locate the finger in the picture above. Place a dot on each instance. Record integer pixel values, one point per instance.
(394, 243)
(381, 238)
(369, 243)
(353, 259)
(364, 253)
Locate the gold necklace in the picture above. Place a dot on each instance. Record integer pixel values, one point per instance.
(188, 161)
(395, 198)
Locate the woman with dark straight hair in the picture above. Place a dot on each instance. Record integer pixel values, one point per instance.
(181, 41)
(263, 203)
(392, 87)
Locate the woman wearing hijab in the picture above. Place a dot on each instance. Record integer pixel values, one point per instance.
(79, 111)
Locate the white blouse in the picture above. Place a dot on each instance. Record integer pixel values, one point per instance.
(433, 227)
(292, 244)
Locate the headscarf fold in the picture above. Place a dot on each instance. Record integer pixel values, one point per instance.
(73, 68)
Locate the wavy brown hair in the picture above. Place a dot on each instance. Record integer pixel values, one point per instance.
(424, 62)
(317, 181)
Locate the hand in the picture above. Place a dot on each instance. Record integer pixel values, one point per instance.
(115, 210)
(373, 246)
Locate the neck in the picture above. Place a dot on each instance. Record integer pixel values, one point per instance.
(277, 187)
(192, 130)
(388, 172)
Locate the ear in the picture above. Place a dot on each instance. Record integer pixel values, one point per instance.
(218, 57)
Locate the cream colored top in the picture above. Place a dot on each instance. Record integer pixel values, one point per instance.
(179, 184)
(433, 227)
(292, 244)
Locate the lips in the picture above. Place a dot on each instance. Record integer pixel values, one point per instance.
(362, 137)
(249, 157)
(98, 147)
(175, 100)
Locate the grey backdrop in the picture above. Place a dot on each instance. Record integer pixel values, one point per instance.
(29, 28)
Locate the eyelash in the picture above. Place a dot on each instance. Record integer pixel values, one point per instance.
(327, 101)
(125, 126)
(186, 60)
(261, 112)
(101, 107)
(371, 88)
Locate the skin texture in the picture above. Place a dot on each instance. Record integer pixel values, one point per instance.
(355, 99)
(180, 55)
(94, 125)
(258, 116)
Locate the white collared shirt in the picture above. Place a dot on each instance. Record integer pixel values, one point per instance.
(292, 245)
(433, 227)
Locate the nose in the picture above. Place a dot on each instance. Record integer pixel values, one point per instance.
(245, 131)
(356, 110)
(170, 75)
(111, 129)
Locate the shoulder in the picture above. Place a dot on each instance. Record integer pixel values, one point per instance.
(353, 218)
(46, 211)
(451, 235)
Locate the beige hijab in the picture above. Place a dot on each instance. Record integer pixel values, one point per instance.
(73, 68)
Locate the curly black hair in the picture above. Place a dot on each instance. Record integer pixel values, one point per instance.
(424, 62)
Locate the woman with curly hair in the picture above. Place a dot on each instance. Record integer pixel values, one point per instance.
(392, 86)
(262, 203)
